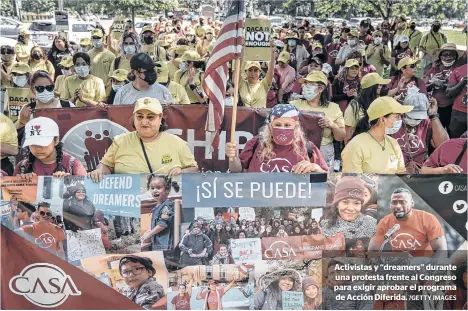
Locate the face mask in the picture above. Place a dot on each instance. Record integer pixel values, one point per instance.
(396, 127)
(21, 38)
(336, 40)
(45, 96)
(129, 49)
(411, 122)
(148, 40)
(183, 66)
(150, 77)
(117, 87)
(97, 43)
(435, 28)
(67, 72)
(7, 58)
(283, 136)
(377, 40)
(448, 64)
(310, 92)
(352, 42)
(82, 71)
(84, 50)
(228, 101)
(412, 27)
(292, 42)
(36, 55)
(20, 80)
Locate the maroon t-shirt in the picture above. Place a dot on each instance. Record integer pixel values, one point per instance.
(41, 169)
(414, 144)
(399, 54)
(349, 85)
(461, 101)
(438, 92)
(332, 52)
(181, 302)
(404, 91)
(284, 159)
(447, 153)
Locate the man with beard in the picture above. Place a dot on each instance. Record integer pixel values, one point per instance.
(420, 232)
(195, 247)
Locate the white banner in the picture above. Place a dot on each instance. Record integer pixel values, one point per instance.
(246, 250)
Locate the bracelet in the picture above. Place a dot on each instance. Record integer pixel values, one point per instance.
(434, 116)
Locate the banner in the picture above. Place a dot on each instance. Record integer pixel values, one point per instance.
(293, 300)
(253, 189)
(16, 98)
(257, 40)
(246, 250)
(84, 244)
(88, 132)
(14, 188)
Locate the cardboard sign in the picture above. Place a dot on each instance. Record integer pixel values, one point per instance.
(84, 244)
(18, 189)
(118, 28)
(246, 250)
(206, 213)
(293, 300)
(15, 99)
(247, 213)
(207, 11)
(257, 40)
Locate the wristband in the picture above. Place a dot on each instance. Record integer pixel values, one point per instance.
(434, 116)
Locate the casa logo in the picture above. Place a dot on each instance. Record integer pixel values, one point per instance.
(45, 240)
(166, 159)
(355, 193)
(44, 285)
(405, 241)
(333, 53)
(276, 165)
(280, 250)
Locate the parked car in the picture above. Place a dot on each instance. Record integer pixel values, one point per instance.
(80, 30)
(7, 41)
(139, 25)
(9, 27)
(276, 21)
(356, 21)
(43, 33)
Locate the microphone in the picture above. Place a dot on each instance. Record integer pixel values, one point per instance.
(391, 231)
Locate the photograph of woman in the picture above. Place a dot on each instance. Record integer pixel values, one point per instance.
(270, 297)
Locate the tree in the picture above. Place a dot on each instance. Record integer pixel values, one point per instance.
(6, 8)
(38, 6)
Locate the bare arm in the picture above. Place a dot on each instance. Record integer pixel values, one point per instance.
(199, 296)
(453, 90)
(9, 150)
(349, 133)
(439, 245)
(374, 246)
(439, 134)
(192, 169)
(271, 67)
(231, 285)
(339, 133)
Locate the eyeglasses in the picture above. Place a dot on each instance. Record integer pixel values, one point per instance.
(42, 213)
(40, 88)
(134, 271)
(66, 68)
(81, 191)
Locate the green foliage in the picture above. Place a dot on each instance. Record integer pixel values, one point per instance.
(6, 8)
(38, 6)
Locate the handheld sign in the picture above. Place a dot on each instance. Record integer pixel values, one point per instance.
(118, 28)
(257, 40)
(16, 98)
(246, 250)
(293, 300)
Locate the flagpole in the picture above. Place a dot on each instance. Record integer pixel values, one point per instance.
(237, 63)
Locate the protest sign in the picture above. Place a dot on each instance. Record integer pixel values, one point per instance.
(246, 250)
(79, 128)
(227, 216)
(117, 195)
(247, 213)
(16, 99)
(257, 40)
(118, 28)
(293, 300)
(207, 11)
(206, 213)
(19, 189)
(84, 243)
(254, 189)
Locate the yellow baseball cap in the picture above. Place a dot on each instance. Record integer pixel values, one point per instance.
(20, 68)
(164, 43)
(66, 61)
(377, 33)
(209, 30)
(85, 42)
(353, 33)
(147, 28)
(316, 45)
(251, 64)
(284, 57)
(24, 32)
(147, 103)
(351, 62)
(407, 61)
(315, 76)
(386, 105)
(307, 36)
(191, 56)
(190, 32)
(96, 32)
(181, 49)
(372, 79)
(163, 72)
(119, 75)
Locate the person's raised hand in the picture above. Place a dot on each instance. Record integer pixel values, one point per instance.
(231, 150)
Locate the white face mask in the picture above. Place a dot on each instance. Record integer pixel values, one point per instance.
(396, 127)
(352, 42)
(310, 91)
(449, 64)
(377, 40)
(412, 122)
(183, 66)
(20, 80)
(228, 101)
(97, 43)
(67, 72)
(45, 96)
(82, 71)
(336, 40)
(292, 42)
(129, 49)
(117, 87)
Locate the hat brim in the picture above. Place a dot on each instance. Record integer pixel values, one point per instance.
(38, 141)
(251, 66)
(415, 61)
(403, 109)
(437, 52)
(149, 109)
(283, 60)
(117, 78)
(417, 114)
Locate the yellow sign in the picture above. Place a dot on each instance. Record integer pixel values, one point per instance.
(118, 28)
(15, 99)
(257, 40)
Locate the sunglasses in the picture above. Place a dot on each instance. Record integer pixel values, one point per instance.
(5, 51)
(42, 213)
(40, 88)
(412, 66)
(66, 68)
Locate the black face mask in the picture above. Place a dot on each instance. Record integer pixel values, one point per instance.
(21, 38)
(148, 40)
(436, 28)
(150, 77)
(178, 28)
(36, 56)
(384, 91)
(412, 27)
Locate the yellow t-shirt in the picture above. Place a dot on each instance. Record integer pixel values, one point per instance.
(375, 58)
(365, 155)
(24, 50)
(8, 134)
(158, 53)
(126, 156)
(124, 64)
(43, 65)
(349, 117)
(254, 96)
(178, 93)
(432, 41)
(332, 112)
(92, 86)
(59, 84)
(199, 31)
(172, 70)
(101, 63)
(181, 77)
(6, 83)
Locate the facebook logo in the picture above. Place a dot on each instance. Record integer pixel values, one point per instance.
(445, 187)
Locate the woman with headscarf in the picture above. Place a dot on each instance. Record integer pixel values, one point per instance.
(142, 288)
(344, 215)
(78, 210)
(60, 49)
(213, 297)
(400, 51)
(281, 146)
(312, 294)
(270, 297)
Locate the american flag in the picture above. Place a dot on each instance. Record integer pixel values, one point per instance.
(228, 45)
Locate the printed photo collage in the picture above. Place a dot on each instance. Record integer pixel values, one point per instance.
(213, 258)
